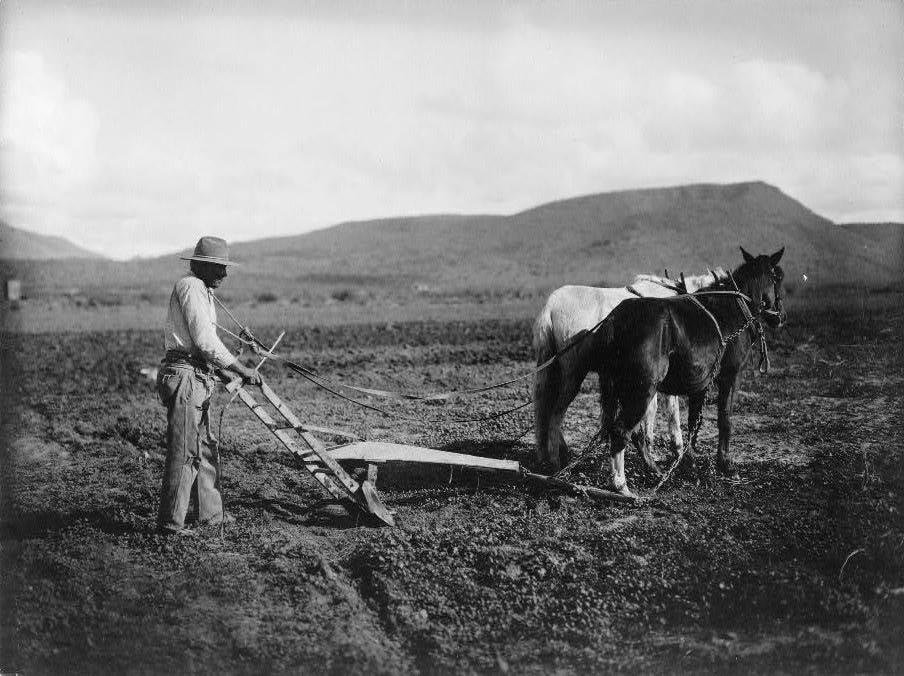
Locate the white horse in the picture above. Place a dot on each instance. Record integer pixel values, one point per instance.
(568, 311)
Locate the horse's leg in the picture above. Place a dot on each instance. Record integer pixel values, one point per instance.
(617, 481)
(643, 439)
(694, 411)
(724, 463)
(570, 376)
(620, 434)
(676, 440)
(545, 395)
(608, 404)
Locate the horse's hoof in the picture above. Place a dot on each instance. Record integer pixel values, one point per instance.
(687, 469)
(729, 472)
(621, 489)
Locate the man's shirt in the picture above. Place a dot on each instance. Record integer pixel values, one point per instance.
(191, 323)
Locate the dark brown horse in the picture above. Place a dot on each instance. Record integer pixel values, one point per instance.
(673, 345)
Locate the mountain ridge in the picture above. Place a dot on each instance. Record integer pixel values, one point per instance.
(688, 227)
(16, 243)
(602, 239)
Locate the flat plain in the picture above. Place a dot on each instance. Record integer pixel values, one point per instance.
(797, 568)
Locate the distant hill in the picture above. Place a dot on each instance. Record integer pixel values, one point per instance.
(881, 240)
(596, 239)
(16, 244)
(601, 239)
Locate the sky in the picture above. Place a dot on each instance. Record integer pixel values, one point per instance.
(133, 128)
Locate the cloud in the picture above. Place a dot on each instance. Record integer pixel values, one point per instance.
(48, 138)
(263, 125)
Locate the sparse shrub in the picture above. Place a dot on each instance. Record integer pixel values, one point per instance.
(105, 300)
(266, 297)
(343, 295)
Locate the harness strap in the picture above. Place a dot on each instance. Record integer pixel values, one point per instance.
(304, 373)
(708, 314)
(670, 285)
(750, 319)
(764, 352)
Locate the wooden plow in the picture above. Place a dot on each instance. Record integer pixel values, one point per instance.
(314, 455)
(325, 463)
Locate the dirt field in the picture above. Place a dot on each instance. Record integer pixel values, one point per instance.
(797, 569)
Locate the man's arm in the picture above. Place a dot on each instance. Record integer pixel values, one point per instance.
(249, 375)
(194, 302)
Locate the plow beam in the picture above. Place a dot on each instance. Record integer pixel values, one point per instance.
(592, 492)
(378, 452)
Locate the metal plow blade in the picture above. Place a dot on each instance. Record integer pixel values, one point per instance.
(373, 503)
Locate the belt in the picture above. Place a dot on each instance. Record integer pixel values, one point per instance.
(179, 357)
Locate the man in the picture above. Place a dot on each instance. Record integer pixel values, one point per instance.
(185, 384)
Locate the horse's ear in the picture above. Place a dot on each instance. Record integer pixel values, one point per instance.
(747, 256)
(776, 257)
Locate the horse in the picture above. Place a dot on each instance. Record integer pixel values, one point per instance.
(568, 311)
(676, 346)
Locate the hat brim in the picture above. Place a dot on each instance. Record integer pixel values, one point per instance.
(209, 259)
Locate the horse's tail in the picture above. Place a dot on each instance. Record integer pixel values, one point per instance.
(544, 338)
(603, 337)
(545, 380)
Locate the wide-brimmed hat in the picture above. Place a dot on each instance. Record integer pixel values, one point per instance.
(211, 250)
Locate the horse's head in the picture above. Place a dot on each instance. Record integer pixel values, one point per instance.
(761, 278)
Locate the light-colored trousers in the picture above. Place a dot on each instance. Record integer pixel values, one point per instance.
(192, 456)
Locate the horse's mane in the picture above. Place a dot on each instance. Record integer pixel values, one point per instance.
(690, 283)
(720, 280)
(696, 282)
(724, 281)
(655, 279)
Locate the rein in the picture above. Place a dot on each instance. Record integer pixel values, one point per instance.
(324, 385)
(248, 338)
(742, 300)
(327, 386)
(710, 315)
(387, 394)
(750, 319)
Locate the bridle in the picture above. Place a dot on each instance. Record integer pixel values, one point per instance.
(776, 276)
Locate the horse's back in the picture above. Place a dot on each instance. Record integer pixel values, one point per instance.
(637, 318)
(671, 342)
(669, 320)
(572, 309)
(650, 286)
